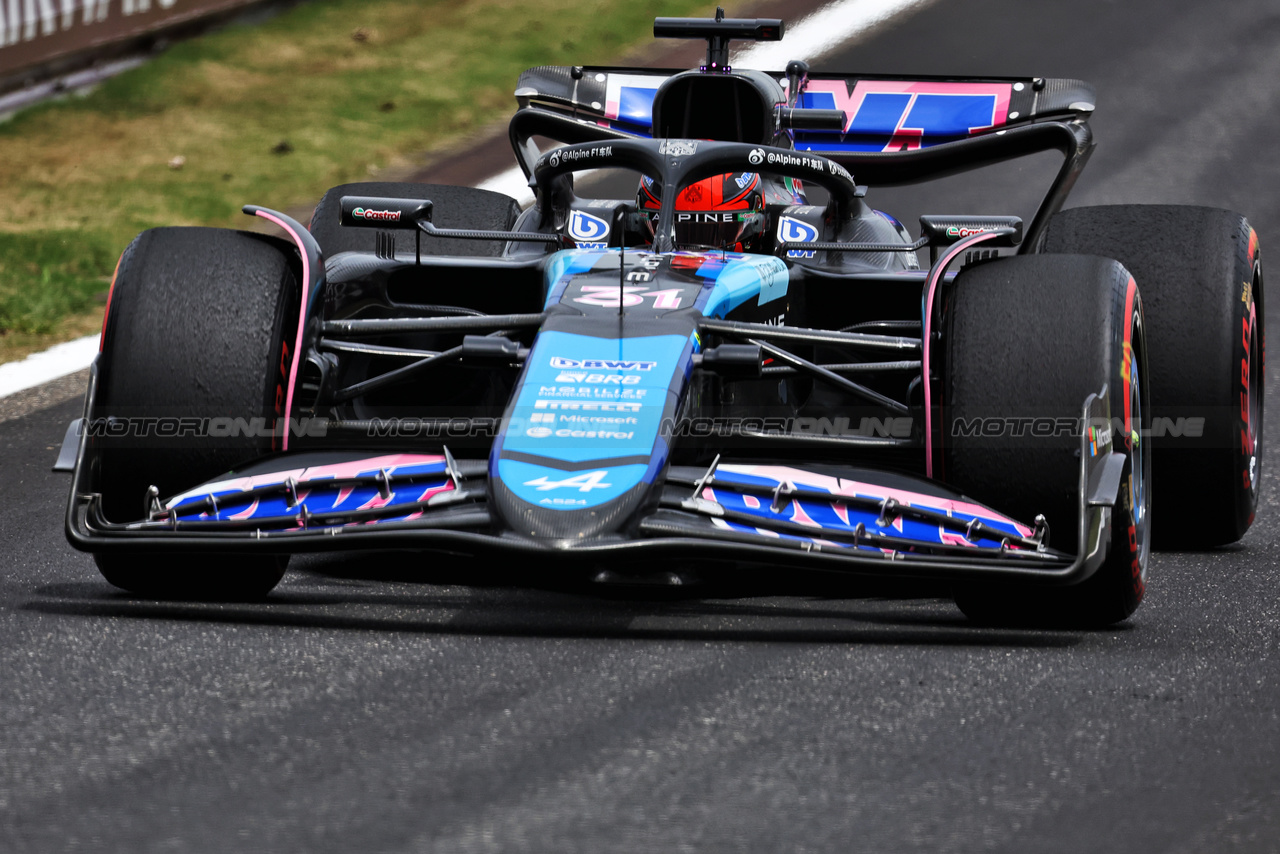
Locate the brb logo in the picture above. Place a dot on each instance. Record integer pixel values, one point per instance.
(589, 232)
(796, 231)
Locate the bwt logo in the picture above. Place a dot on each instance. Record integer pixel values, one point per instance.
(796, 231)
(379, 216)
(602, 364)
(585, 228)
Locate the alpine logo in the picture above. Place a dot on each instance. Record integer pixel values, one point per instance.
(715, 218)
(588, 231)
(378, 216)
(581, 482)
(792, 230)
(602, 364)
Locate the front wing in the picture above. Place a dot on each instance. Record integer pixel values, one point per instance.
(871, 523)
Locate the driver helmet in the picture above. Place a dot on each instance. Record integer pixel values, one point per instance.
(722, 212)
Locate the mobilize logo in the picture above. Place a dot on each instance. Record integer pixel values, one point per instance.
(377, 216)
(602, 364)
(581, 482)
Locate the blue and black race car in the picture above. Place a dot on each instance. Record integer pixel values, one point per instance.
(741, 364)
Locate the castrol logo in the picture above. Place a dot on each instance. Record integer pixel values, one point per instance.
(965, 231)
(376, 216)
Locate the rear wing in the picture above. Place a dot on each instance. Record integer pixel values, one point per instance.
(882, 113)
(897, 130)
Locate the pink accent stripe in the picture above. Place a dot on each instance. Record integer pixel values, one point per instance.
(247, 512)
(376, 501)
(934, 278)
(802, 518)
(302, 316)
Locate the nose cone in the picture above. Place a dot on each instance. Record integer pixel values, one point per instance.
(582, 443)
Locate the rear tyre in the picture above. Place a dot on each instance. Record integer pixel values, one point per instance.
(1201, 277)
(453, 207)
(199, 327)
(1028, 340)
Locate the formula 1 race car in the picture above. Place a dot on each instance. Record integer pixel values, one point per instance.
(738, 365)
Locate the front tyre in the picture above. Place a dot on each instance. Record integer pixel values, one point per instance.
(1028, 340)
(199, 334)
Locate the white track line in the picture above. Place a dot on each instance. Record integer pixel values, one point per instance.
(40, 368)
(823, 31)
(826, 29)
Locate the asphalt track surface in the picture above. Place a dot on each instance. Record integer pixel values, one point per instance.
(373, 704)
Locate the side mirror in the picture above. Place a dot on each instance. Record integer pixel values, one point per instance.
(374, 212)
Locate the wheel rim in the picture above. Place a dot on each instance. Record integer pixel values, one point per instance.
(1139, 506)
(1137, 482)
(1254, 389)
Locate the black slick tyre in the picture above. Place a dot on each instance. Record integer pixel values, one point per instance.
(199, 333)
(452, 207)
(1200, 272)
(1028, 339)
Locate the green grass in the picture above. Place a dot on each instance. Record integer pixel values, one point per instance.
(354, 87)
(46, 277)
